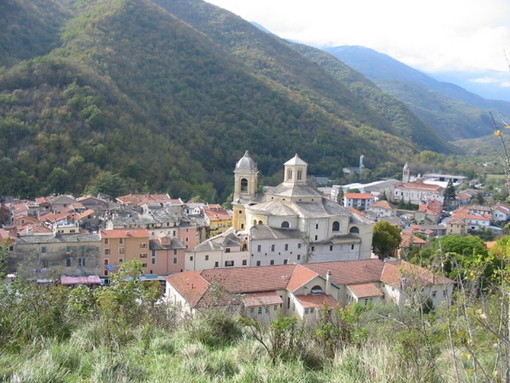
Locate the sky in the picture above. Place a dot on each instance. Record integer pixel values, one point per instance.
(432, 35)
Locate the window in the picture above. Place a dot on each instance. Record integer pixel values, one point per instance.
(336, 226)
(121, 260)
(299, 174)
(207, 257)
(312, 248)
(289, 174)
(258, 263)
(330, 247)
(245, 262)
(121, 241)
(191, 258)
(271, 262)
(106, 262)
(259, 248)
(144, 265)
(316, 226)
(106, 251)
(227, 250)
(106, 241)
(316, 238)
(272, 247)
(143, 245)
(285, 261)
(229, 263)
(81, 261)
(153, 261)
(286, 246)
(244, 185)
(216, 264)
(259, 310)
(106, 272)
(298, 257)
(175, 261)
(285, 225)
(434, 293)
(175, 252)
(316, 290)
(352, 247)
(143, 255)
(121, 250)
(68, 249)
(68, 262)
(299, 246)
(43, 249)
(354, 230)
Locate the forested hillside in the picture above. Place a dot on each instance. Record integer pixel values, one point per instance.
(453, 112)
(137, 95)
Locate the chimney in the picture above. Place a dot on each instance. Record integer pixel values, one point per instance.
(328, 283)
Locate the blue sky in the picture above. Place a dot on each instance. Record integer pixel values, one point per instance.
(433, 35)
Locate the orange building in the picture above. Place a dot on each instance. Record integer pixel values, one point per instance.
(118, 246)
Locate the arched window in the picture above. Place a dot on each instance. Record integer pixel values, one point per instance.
(285, 225)
(336, 226)
(316, 290)
(244, 185)
(354, 230)
(260, 222)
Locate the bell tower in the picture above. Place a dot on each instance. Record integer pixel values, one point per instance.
(406, 173)
(295, 171)
(245, 188)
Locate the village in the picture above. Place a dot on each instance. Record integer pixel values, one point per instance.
(292, 248)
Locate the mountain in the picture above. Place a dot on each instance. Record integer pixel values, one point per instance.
(138, 95)
(450, 110)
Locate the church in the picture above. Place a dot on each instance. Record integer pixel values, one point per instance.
(288, 223)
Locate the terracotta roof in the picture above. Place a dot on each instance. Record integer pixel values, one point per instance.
(358, 196)
(190, 285)
(365, 290)
(470, 216)
(251, 279)
(349, 272)
(319, 302)
(85, 214)
(300, 276)
(140, 199)
(394, 273)
(218, 215)
(122, 233)
(418, 186)
(262, 299)
(383, 205)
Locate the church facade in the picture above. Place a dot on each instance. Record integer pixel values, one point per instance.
(288, 223)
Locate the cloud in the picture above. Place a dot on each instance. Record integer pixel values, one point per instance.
(433, 35)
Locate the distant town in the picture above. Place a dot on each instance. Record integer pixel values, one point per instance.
(289, 246)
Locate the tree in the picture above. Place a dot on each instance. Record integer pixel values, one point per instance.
(386, 239)
(449, 192)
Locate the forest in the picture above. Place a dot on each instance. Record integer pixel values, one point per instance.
(165, 96)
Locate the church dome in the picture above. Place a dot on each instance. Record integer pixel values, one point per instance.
(246, 163)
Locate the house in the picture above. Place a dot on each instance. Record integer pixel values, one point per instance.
(500, 213)
(51, 254)
(473, 221)
(358, 200)
(416, 192)
(430, 211)
(118, 246)
(456, 226)
(409, 241)
(304, 291)
(382, 208)
(167, 255)
(217, 218)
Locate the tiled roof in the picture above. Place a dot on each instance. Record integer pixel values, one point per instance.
(365, 290)
(90, 280)
(300, 276)
(319, 301)
(349, 272)
(358, 196)
(262, 299)
(395, 272)
(190, 285)
(382, 205)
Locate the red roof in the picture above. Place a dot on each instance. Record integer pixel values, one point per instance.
(358, 196)
(383, 204)
(394, 273)
(262, 299)
(190, 285)
(300, 276)
(365, 290)
(319, 302)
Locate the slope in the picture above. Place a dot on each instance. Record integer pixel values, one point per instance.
(453, 112)
(134, 98)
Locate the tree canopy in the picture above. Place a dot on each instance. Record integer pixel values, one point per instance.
(386, 239)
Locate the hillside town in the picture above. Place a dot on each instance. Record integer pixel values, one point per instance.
(291, 247)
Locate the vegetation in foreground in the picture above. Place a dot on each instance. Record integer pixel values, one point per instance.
(122, 334)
